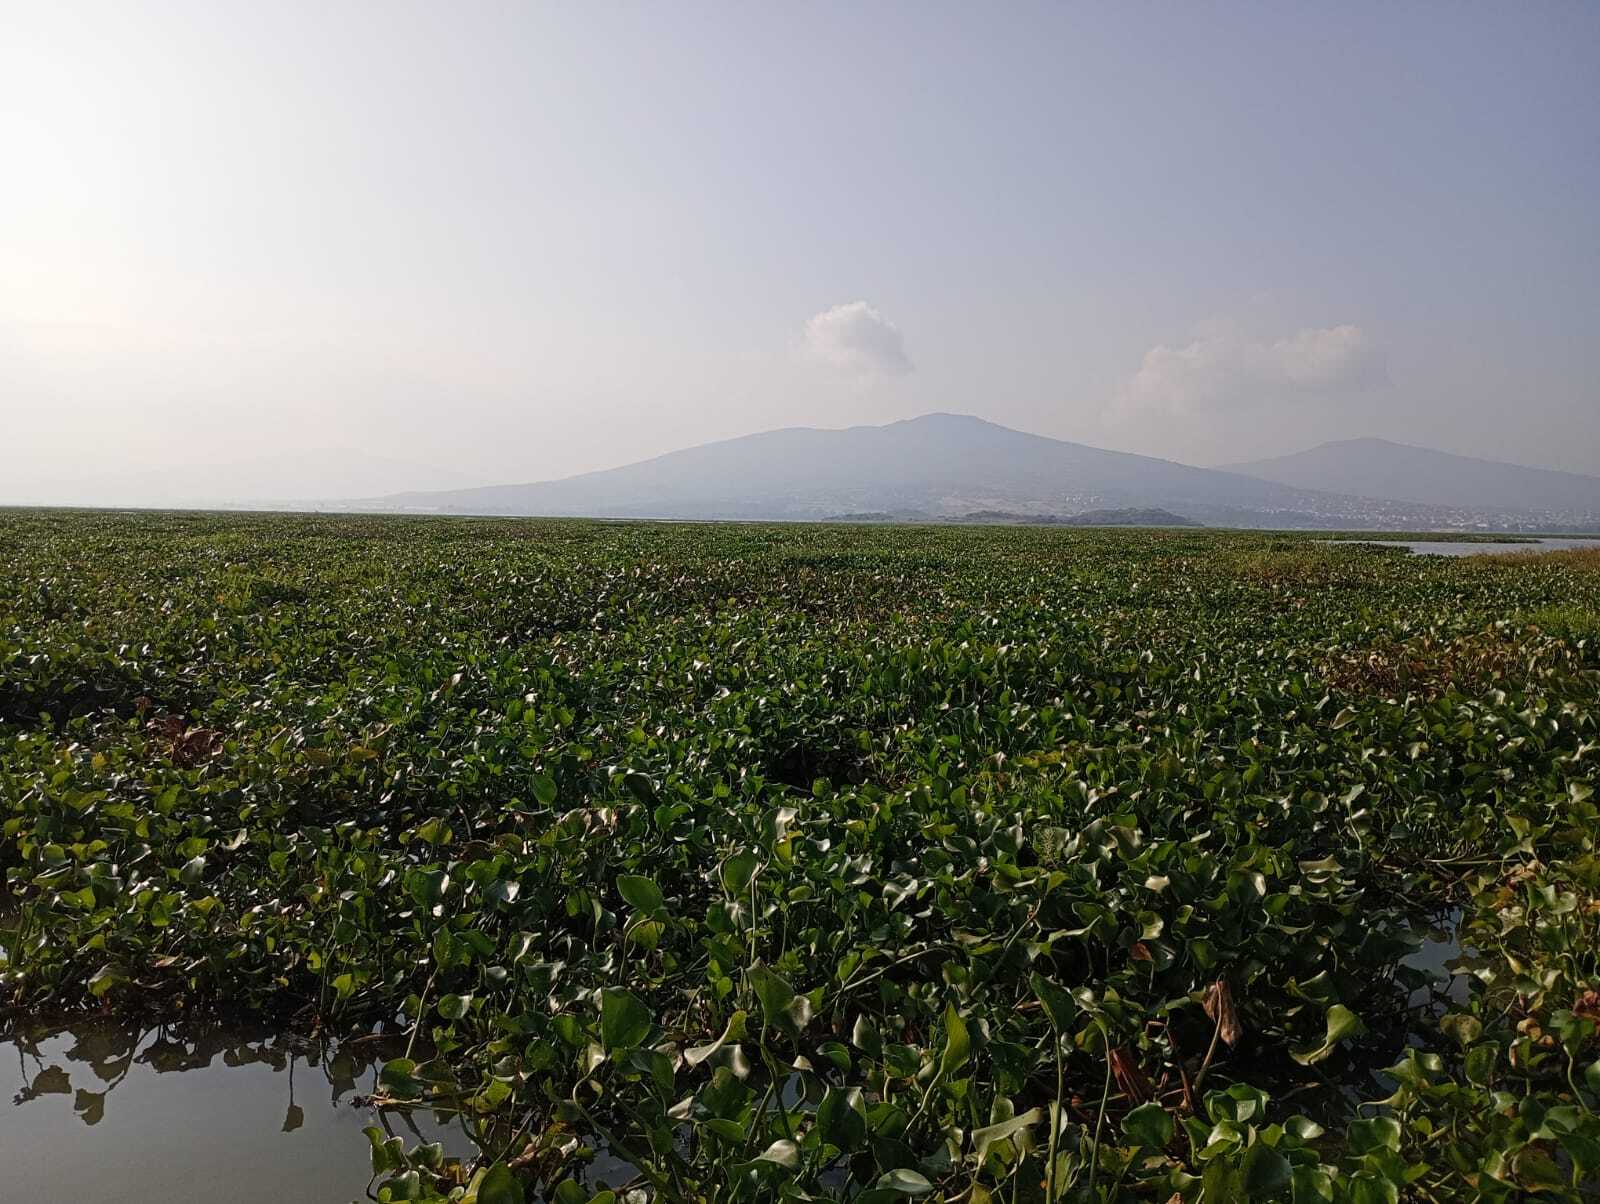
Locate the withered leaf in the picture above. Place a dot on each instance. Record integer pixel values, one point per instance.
(1219, 1005)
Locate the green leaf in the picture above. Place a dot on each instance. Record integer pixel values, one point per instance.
(783, 1009)
(1583, 1149)
(733, 1032)
(646, 933)
(773, 991)
(1150, 1125)
(385, 1150)
(985, 1137)
(495, 1185)
(640, 892)
(1373, 1133)
(104, 979)
(1240, 1103)
(784, 1153)
(1059, 1007)
(1311, 1185)
(864, 1036)
(1480, 1062)
(842, 1118)
(957, 1043)
(1302, 1129)
(427, 887)
(503, 890)
(399, 1078)
(838, 1054)
(640, 786)
(453, 1007)
(905, 1183)
(730, 1131)
(1264, 1171)
(739, 871)
(1342, 1023)
(1368, 1188)
(624, 1020)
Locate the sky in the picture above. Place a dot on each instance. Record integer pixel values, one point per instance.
(335, 249)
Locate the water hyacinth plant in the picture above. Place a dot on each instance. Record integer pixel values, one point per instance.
(738, 863)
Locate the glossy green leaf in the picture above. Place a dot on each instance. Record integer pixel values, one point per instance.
(624, 1021)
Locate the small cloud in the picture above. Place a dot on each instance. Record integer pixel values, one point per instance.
(857, 339)
(1226, 369)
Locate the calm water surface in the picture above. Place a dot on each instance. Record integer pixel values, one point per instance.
(1430, 547)
(101, 1113)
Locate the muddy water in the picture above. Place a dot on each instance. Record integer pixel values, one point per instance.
(191, 1114)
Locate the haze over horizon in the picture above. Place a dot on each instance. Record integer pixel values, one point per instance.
(444, 247)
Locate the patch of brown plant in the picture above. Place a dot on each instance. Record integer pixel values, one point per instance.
(185, 745)
(1584, 559)
(1428, 666)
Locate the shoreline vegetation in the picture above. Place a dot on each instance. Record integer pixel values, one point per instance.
(967, 863)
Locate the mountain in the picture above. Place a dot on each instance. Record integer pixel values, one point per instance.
(1377, 468)
(944, 465)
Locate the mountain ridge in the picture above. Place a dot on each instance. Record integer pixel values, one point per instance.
(1405, 472)
(943, 464)
(936, 462)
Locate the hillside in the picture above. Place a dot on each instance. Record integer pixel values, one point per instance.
(1377, 468)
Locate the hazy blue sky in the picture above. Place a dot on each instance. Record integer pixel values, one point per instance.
(511, 242)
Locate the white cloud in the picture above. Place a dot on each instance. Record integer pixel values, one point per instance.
(855, 338)
(1227, 369)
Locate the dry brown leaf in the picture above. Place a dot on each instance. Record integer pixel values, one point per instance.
(1220, 1007)
(1130, 1079)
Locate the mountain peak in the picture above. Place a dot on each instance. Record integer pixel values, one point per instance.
(1361, 441)
(947, 419)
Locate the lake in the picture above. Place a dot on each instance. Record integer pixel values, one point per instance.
(1431, 547)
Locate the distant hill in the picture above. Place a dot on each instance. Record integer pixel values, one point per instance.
(1377, 468)
(1132, 517)
(944, 465)
(1126, 517)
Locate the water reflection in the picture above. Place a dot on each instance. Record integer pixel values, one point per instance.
(1442, 965)
(195, 1112)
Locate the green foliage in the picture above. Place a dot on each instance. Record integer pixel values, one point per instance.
(834, 863)
(1574, 623)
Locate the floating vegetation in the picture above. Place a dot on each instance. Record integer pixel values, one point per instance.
(831, 863)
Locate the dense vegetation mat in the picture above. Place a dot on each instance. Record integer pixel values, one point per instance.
(835, 863)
